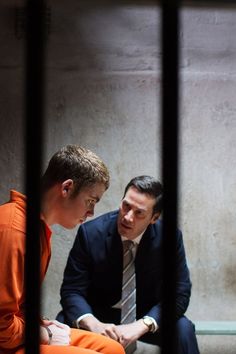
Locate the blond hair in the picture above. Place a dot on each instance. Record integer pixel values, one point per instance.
(74, 162)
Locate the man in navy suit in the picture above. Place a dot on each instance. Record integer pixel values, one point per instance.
(92, 286)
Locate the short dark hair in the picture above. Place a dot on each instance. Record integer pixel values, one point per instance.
(74, 162)
(148, 185)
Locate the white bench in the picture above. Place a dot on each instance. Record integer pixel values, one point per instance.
(202, 327)
(215, 327)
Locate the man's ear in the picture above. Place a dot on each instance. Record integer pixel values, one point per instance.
(155, 217)
(67, 187)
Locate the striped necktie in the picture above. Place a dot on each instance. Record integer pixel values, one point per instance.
(128, 300)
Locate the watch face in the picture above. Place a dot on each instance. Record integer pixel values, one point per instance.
(148, 322)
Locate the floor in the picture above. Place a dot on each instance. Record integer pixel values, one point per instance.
(208, 344)
(143, 348)
(217, 344)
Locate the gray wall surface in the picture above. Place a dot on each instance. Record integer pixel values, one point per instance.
(103, 92)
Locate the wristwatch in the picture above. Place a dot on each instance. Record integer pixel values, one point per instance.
(149, 323)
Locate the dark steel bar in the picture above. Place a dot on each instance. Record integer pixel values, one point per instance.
(198, 3)
(170, 96)
(194, 3)
(34, 123)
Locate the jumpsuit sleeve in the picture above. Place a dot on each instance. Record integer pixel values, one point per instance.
(12, 254)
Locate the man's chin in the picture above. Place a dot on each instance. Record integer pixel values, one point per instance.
(72, 226)
(81, 221)
(123, 230)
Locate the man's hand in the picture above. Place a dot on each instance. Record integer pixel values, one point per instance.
(129, 333)
(92, 324)
(60, 333)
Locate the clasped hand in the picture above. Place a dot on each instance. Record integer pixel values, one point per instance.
(129, 333)
(124, 334)
(60, 333)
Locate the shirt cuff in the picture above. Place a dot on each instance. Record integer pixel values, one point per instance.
(81, 318)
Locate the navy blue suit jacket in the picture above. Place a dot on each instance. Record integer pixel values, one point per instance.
(93, 274)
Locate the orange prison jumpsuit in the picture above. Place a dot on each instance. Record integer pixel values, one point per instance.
(12, 297)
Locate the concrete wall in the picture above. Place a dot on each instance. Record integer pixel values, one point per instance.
(103, 92)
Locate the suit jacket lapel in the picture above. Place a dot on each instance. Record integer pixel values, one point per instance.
(114, 245)
(144, 247)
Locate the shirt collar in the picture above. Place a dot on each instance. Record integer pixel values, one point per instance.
(136, 240)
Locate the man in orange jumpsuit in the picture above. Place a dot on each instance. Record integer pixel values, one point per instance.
(73, 183)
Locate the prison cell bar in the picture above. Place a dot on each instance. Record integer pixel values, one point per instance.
(170, 93)
(34, 111)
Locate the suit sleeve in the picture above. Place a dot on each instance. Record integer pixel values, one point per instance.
(12, 324)
(183, 284)
(77, 277)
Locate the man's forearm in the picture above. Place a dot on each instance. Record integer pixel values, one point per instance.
(89, 322)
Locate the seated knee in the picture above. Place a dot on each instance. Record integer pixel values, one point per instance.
(185, 328)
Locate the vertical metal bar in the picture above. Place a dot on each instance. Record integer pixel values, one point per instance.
(34, 122)
(169, 169)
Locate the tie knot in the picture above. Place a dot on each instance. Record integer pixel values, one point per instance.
(127, 245)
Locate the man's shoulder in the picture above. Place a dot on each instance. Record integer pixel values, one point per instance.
(13, 213)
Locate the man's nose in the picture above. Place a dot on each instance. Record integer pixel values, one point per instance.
(90, 212)
(129, 216)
